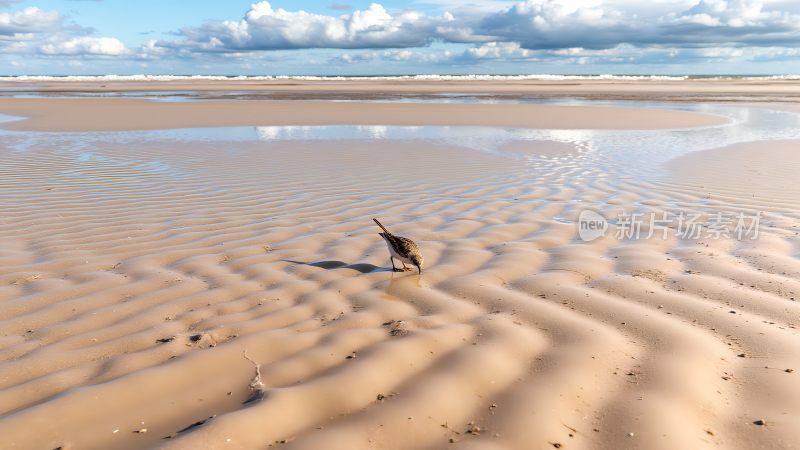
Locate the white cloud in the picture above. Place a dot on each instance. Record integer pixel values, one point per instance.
(151, 50)
(721, 52)
(32, 30)
(29, 20)
(266, 28)
(599, 24)
(350, 58)
(735, 13)
(401, 55)
(415, 56)
(565, 31)
(503, 29)
(86, 46)
(497, 50)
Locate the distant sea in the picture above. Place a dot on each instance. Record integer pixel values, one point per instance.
(391, 77)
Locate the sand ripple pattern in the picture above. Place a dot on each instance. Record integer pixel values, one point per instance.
(236, 295)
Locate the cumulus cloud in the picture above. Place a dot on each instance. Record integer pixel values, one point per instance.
(20, 30)
(151, 50)
(513, 52)
(86, 46)
(550, 24)
(401, 55)
(350, 58)
(266, 28)
(408, 55)
(532, 24)
(29, 20)
(497, 50)
(48, 33)
(735, 13)
(733, 22)
(570, 31)
(546, 24)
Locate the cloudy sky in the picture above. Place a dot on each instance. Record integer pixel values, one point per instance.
(351, 37)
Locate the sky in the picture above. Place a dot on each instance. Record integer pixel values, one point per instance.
(392, 37)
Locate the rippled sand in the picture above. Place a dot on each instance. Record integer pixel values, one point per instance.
(182, 291)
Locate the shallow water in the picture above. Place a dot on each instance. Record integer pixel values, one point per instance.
(158, 96)
(618, 153)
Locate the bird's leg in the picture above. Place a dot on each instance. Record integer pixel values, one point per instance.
(394, 268)
(405, 269)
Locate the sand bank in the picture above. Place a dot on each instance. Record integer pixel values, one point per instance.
(764, 172)
(130, 114)
(595, 87)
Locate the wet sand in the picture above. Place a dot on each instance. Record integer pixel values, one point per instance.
(787, 88)
(157, 292)
(761, 172)
(132, 114)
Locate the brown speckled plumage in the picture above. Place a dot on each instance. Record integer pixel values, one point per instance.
(401, 248)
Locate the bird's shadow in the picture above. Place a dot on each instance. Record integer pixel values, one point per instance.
(331, 265)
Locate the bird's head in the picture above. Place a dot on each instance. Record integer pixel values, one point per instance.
(417, 260)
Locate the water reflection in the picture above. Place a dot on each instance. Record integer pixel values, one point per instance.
(598, 152)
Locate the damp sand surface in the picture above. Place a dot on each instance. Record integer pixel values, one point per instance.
(226, 287)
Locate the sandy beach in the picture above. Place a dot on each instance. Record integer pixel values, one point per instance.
(205, 274)
(786, 89)
(104, 115)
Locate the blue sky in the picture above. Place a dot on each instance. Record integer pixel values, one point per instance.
(399, 37)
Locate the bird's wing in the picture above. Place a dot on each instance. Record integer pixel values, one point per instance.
(407, 245)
